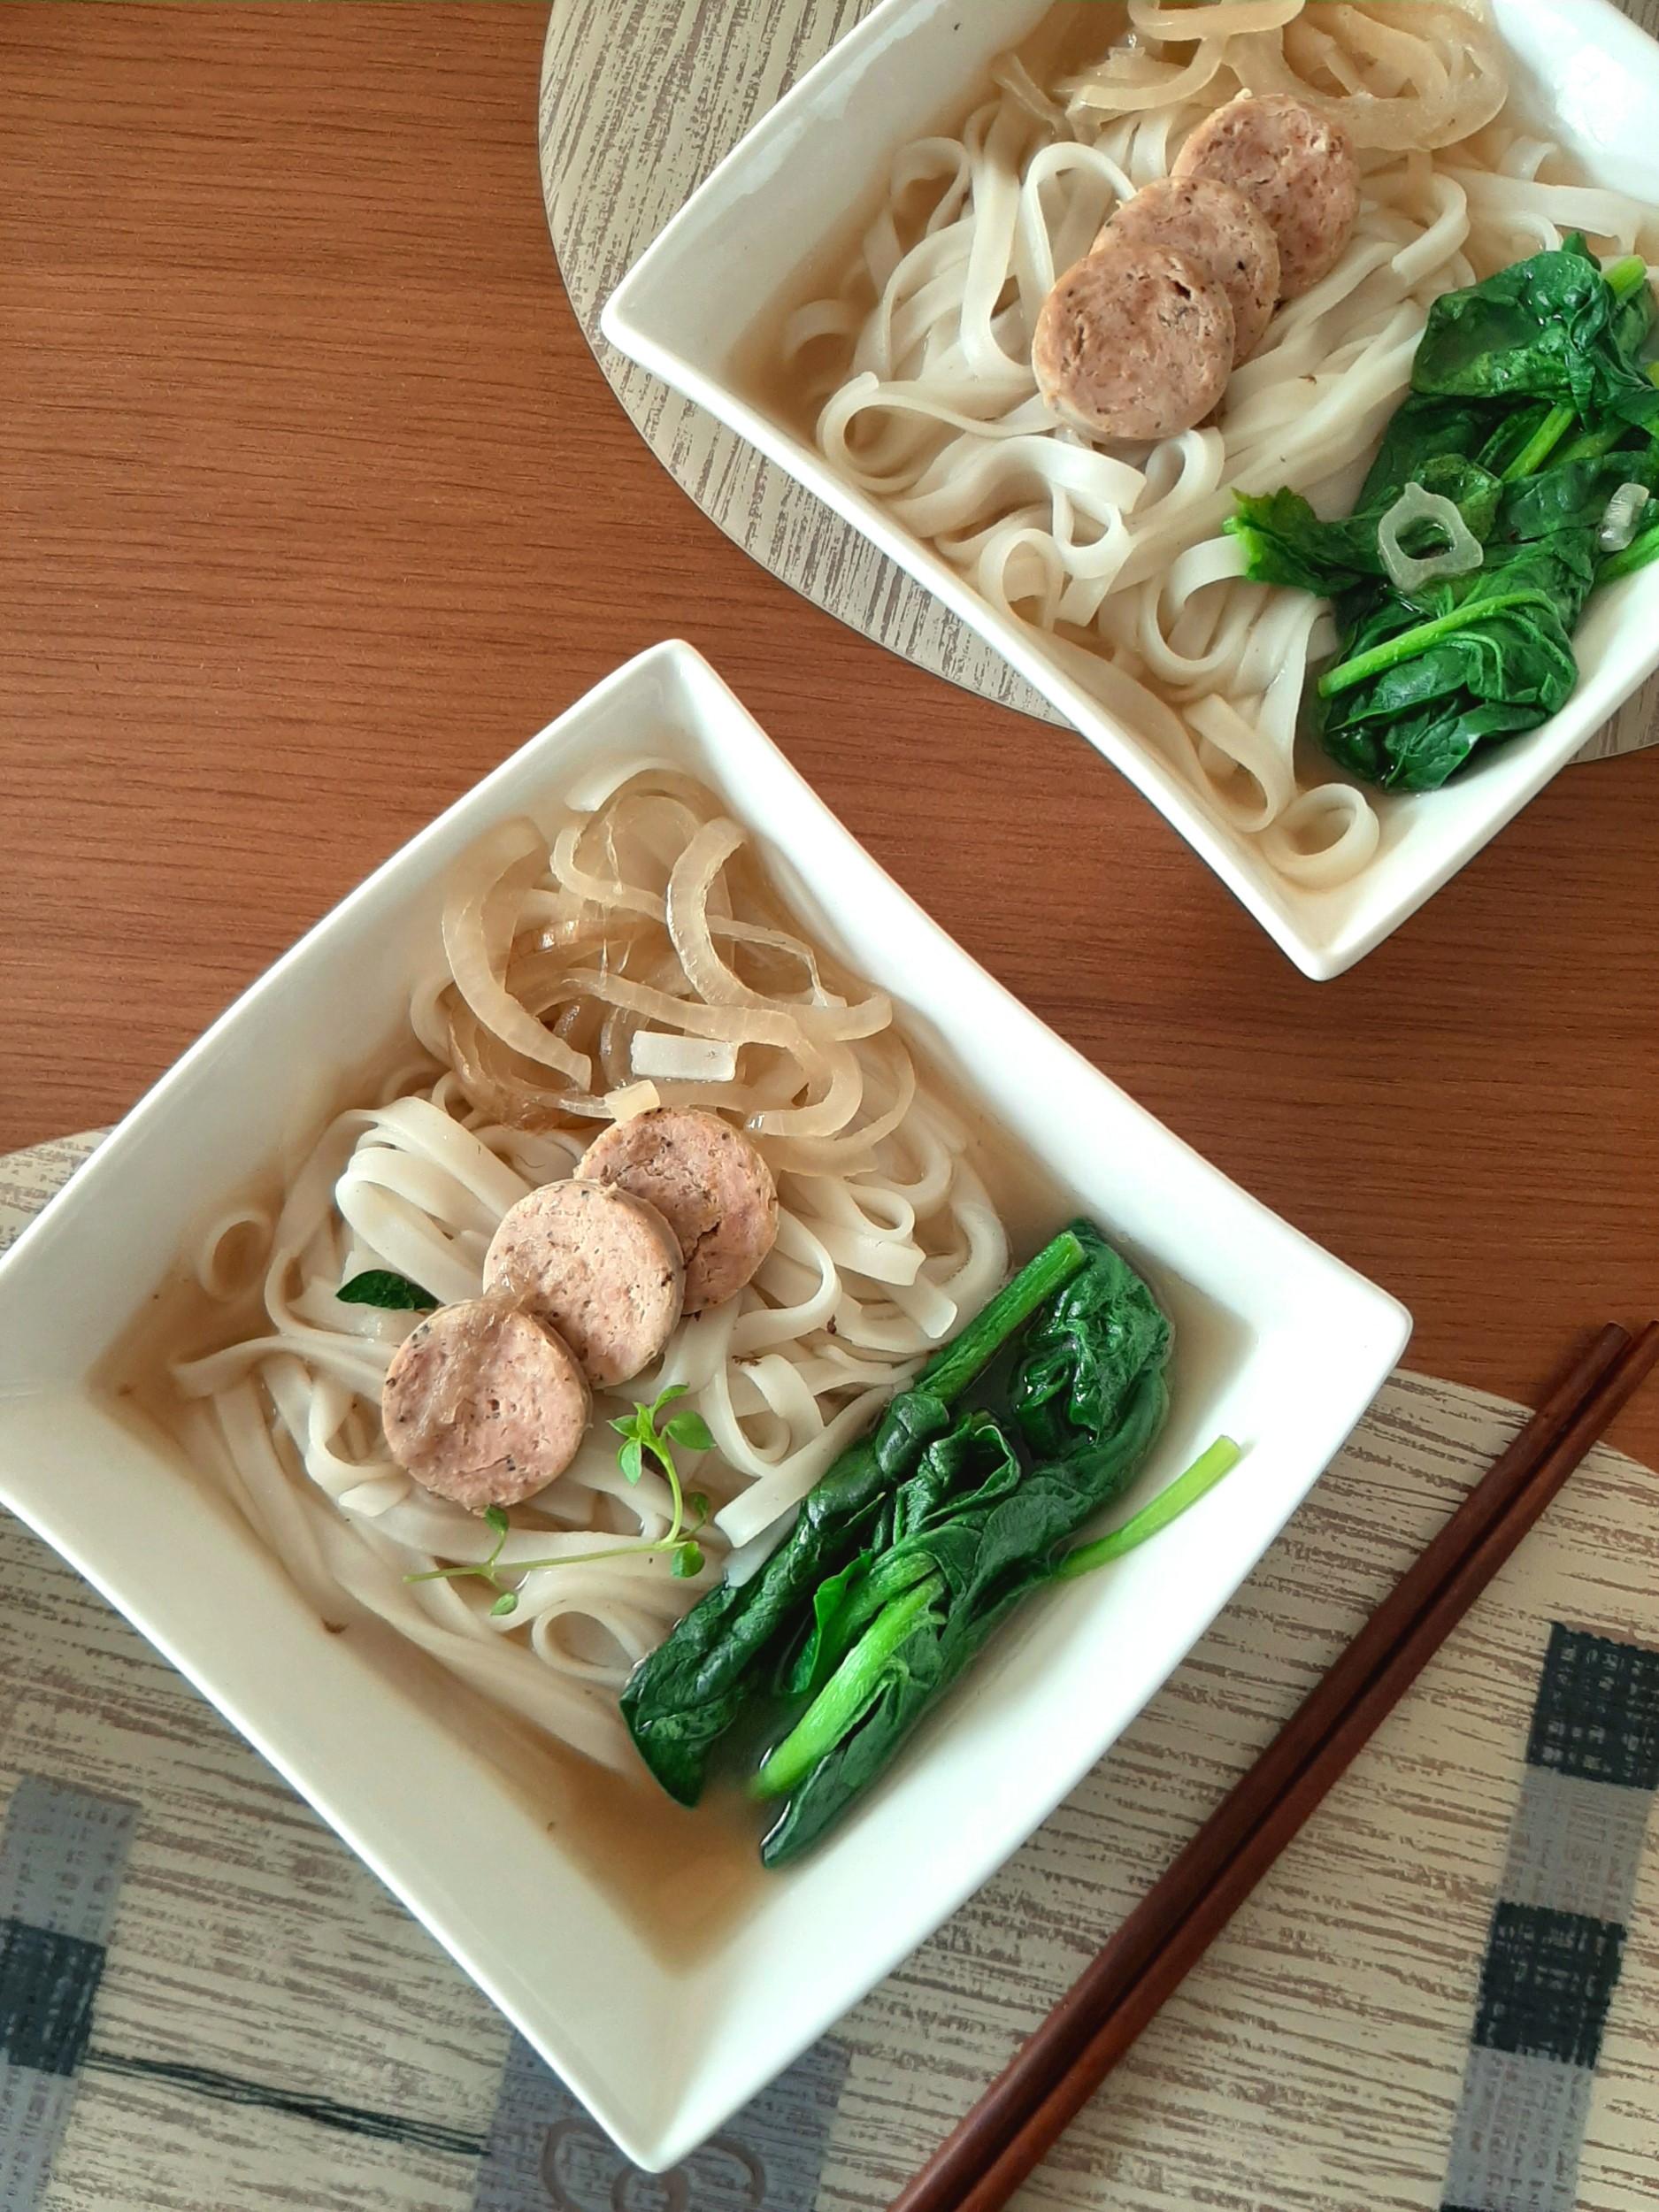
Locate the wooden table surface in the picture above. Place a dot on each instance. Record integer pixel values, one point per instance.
(315, 506)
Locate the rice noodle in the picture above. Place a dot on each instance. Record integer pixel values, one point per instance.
(643, 915)
(919, 370)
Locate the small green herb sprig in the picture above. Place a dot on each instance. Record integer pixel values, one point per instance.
(644, 1435)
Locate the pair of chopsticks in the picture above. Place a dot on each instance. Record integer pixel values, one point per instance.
(1030, 2105)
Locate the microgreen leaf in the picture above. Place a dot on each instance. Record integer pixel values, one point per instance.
(379, 1286)
(690, 1429)
(640, 1435)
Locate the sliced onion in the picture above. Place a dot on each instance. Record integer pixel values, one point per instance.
(1618, 524)
(843, 1079)
(1124, 83)
(633, 1100)
(1221, 18)
(1443, 62)
(797, 1029)
(735, 1025)
(479, 919)
(681, 1059)
(1463, 555)
(604, 892)
(694, 877)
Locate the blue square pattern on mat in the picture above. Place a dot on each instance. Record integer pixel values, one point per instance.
(48, 1983)
(546, 2155)
(1597, 1715)
(1547, 1984)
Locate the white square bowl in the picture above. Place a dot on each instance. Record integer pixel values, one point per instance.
(1277, 1344)
(788, 200)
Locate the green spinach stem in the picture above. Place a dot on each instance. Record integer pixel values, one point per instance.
(1170, 1502)
(1636, 555)
(1623, 278)
(847, 1695)
(1626, 276)
(949, 1375)
(1594, 443)
(1412, 643)
(1542, 442)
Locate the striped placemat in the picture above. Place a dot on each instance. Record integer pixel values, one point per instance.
(1446, 1993)
(640, 100)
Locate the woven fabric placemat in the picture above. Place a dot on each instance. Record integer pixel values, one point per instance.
(640, 100)
(241, 2017)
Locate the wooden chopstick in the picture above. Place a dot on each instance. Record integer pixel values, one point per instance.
(1060, 2066)
(1052, 2048)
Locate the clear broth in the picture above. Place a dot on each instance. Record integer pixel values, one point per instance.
(649, 1856)
(1073, 34)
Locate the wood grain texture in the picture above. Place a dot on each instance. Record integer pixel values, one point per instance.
(315, 505)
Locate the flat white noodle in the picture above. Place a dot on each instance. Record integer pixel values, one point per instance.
(640, 911)
(1117, 558)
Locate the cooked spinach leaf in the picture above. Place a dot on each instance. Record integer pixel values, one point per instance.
(1286, 542)
(1422, 682)
(379, 1286)
(986, 1557)
(1427, 429)
(1531, 406)
(1551, 327)
(688, 1694)
(917, 1546)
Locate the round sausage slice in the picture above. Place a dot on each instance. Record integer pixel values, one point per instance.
(1297, 163)
(483, 1405)
(1135, 342)
(598, 1265)
(1219, 228)
(707, 1180)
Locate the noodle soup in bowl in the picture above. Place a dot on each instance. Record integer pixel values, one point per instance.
(837, 294)
(641, 1948)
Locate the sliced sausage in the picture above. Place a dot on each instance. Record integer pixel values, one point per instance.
(709, 1184)
(1135, 342)
(1297, 163)
(1227, 234)
(483, 1405)
(598, 1265)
